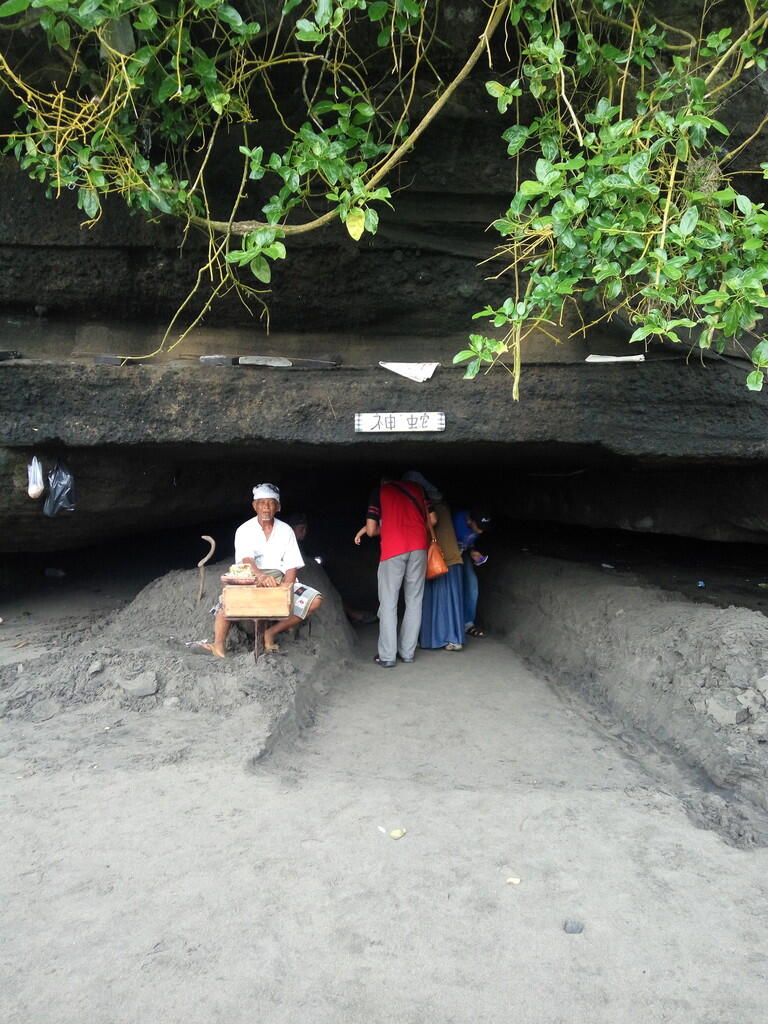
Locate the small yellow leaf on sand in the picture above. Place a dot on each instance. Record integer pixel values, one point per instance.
(513, 881)
(355, 224)
(397, 833)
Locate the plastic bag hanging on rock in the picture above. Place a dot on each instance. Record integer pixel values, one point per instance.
(35, 486)
(61, 491)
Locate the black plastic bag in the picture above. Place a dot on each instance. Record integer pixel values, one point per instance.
(61, 491)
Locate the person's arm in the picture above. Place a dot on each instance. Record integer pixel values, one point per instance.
(290, 578)
(433, 517)
(359, 535)
(372, 527)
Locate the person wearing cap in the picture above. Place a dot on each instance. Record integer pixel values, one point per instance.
(469, 524)
(269, 546)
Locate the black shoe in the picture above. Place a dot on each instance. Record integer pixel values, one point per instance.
(384, 664)
(405, 661)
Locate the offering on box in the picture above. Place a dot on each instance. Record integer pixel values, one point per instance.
(239, 572)
(240, 569)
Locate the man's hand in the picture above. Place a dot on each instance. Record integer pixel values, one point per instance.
(266, 581)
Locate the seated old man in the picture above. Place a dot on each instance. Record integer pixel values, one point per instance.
(269, 546)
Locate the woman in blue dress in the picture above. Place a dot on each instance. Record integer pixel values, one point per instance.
(442, 609)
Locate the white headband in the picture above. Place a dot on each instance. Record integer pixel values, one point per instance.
(266, 491)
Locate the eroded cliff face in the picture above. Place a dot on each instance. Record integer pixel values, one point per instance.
(656, 446)
(668, 445)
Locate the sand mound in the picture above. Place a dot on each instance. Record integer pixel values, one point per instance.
(138, 658)
(690, 677)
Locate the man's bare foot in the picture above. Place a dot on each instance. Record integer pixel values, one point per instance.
(217, 652)
(270, 647)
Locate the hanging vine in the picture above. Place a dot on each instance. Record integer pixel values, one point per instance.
(625, 200)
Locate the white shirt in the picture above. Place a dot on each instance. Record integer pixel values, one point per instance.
(278, 551)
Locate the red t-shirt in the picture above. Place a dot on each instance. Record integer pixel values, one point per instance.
(402, 520)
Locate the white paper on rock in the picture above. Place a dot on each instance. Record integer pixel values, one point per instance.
(414, 371)
(615, 359)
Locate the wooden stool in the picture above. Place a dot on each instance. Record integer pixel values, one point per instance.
(261, 604)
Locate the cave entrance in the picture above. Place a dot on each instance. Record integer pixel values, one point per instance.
(143, 511)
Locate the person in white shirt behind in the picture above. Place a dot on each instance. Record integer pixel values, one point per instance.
(269, 546)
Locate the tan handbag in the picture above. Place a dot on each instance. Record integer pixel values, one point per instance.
(436, 565)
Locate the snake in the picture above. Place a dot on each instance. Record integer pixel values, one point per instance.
(201, 565)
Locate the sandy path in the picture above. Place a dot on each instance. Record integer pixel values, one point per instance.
(198, 892)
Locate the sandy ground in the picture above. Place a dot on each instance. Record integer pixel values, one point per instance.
(151, 871)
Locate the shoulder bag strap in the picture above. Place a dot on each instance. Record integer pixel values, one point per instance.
(422, 510)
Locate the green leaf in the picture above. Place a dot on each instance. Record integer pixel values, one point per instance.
(755, 380)
(11, 7)
(323, 10)
(723, 195)
(371, 220)
(732, 319)
(688, 221)
(218, 99)
(636, 268)
(146, 20)
(261, 270)
(377, 11)
(275, 251)
(168, 87)
(61, 34)
(308, 32)
(531, 188)
(229, 15)
(88, 201)
(637, 167)
(494, 89)
(760, 353)
(744, 204)
(516, 137)
(612, 54)
(273, 210)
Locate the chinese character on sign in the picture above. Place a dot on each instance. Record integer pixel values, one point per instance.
(398, 422)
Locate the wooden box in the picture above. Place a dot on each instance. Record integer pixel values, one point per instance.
(248, 602)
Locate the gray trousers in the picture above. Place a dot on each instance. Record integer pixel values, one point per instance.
(405, 570)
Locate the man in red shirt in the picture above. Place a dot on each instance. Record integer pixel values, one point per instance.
(398, 513)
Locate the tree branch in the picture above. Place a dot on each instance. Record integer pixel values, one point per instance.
(245, 227)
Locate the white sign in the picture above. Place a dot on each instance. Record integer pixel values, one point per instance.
(398, 422)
